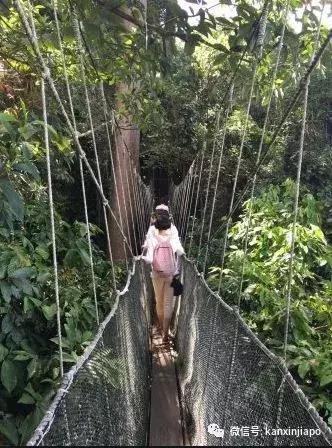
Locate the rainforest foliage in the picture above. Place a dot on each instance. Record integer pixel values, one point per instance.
(176, 65)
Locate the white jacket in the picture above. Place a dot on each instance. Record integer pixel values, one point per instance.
(151, 242)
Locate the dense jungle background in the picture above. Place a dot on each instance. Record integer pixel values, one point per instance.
(165, 67)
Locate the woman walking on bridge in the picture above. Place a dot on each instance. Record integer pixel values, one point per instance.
(163, 249)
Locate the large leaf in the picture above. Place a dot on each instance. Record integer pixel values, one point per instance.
(22, 273)
(32, 366)
(26, 399)
(3, 352)
(14, 200)
(8, 375)
(6, 290)
(9, 430)
(49, 311)
(327, 379)
(27, 168)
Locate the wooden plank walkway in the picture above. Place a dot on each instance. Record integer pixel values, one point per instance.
(165, 421)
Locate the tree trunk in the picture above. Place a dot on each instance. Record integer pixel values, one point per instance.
(126, 147)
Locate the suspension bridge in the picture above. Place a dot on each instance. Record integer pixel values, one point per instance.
(219, 384)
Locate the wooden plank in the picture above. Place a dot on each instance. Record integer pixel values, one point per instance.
(165, 421)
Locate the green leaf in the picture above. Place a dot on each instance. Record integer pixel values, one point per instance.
(6, 290)
(6, 117)
(21, 355)
(49, 311)
(15, 201)
(72, 258)
(3, 352)
(43, 277)
(8, 375)
(32, 366)
(27, 168)
(9, 430)
(303, 369)
(327, 379)
(26, 399)
(22, 273)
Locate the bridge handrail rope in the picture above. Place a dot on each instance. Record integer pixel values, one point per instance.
(295, 217)
(239, 158)
(28, 22)
(278, 361)
(68, 378)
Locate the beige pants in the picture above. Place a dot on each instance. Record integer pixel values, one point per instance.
(164, 300)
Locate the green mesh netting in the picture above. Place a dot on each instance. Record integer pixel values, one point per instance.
(105, 399)
(228, 378)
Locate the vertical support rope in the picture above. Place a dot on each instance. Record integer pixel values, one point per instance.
(109, 142)
(51, 205)
(196, 200)
(71, 106)
(216, 132)
(294, 227)
(237, 171)
(186, 204)
(47, 76)
(190, 202)
(86, 215)
(229, 105)
(94, 143)
(259, 153)
(184, 197)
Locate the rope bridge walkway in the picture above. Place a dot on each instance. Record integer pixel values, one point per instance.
(105, 399)
(220, 378)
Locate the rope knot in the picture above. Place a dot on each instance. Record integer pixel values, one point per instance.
(105, 202)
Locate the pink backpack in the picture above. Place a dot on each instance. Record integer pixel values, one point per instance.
(164, 259)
